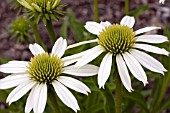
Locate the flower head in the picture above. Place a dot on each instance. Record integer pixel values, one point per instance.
(45, 70)
(45, 8)
(121, 42)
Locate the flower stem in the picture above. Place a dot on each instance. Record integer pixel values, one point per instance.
(162, 93)
(51, 31)
(53, 101)
(37, 35)
(96, 11)
(127, 7)
(118, 97)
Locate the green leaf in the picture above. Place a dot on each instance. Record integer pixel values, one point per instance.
(138, 11)
(63, 32)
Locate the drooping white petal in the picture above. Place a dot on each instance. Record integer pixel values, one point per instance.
(123, 73)
(105, 24)
(148, 61)
(128, 21)
(59, 47)
(19, 91)
(135, 68)
(74, 84)
(104, 70)
(146, 29)
(93, 27)
(81, 43)
(13, 80)
(152, 38)
(90, 55)
(36, 49)
(66, 96)
(152, 49)
(86, 70)
(40, 99)
(30, 100)
(14, 67)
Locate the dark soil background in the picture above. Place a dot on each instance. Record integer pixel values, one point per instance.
(110, 10)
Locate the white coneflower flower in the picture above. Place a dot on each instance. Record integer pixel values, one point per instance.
(161, 1)
(119, 41)
(42, 70)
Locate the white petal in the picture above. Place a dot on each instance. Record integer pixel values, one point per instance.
(86, 70)
(59, 47)
(146, 29)
(81, 43)
(123, 73)
(93, 27)
(90, 55)
(40, 99)
(135, 68)
(152, 38)
(13, 80)
(161, 1)
(14, 67)
(66, 96)
(148, 61)
(105, 24)
(128, 21)
(19, 91)
(30, 100)
(74, 84)
(152, 49)
(104, 70)
(36, 49)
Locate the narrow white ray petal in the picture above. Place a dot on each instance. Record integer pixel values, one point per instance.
(36, 49)
(30, 100)
(13, 80)
(93, 27)
(152, 49)
(81, 43)
(135, 68)
(146, 29)
(36, 97)
(123, 73)
(104, 70)
(128, 21)
(42, 99)
(148, 61)
(59, 47)
(152, 38)
(19, 91)
(66, 96)
(74, 84)
(14, 67)
(90, 55)
(105, 24)
(86, 70)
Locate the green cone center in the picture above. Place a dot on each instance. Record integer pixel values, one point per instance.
(117, 38)
(45, 68)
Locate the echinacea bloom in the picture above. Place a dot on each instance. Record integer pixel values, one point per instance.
(45, 70)
(121, 42)
(161, 1)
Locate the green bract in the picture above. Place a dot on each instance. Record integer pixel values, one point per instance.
(117, 38)
(45, 68)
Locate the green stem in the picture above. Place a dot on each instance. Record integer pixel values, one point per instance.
(162, 93)
(37, 36)
(53, 101)
(51, 31)
(118, 97)
(127, 7)
(96, 11)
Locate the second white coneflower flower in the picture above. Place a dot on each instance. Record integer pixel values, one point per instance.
(44, 70)
(121, 42)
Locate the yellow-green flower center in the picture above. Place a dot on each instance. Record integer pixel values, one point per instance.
(117, 38)
(45, 68)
